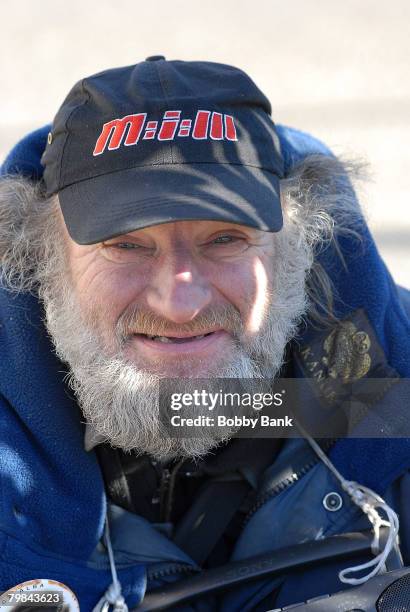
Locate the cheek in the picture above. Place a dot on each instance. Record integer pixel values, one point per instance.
(239, 283)
(251, 291)
(106, 292)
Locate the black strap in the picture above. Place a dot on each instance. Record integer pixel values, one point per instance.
(271, 564)
(207, 519)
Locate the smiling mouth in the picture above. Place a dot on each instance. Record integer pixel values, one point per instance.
(174, 339)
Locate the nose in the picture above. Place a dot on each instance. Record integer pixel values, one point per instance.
(178, 290)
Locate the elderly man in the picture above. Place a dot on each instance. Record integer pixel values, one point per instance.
(177, 233)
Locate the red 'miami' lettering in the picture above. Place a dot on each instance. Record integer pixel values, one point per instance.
(201, 125)
(216, 127)
(230, 129)
(169, 125)
(113, 132)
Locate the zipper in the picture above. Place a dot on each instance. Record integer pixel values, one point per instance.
(284, 484)
(163, 490)
(170, 570)
(166, 491)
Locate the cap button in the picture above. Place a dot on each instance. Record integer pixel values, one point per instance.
(154, 58)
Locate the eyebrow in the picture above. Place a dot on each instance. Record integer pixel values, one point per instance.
(228, 226)
(121, 236)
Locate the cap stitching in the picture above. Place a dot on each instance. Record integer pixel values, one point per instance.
(88, 178)
(153, 69)
(165, 94)
(68, 130)
(166, 204)
(146, 205)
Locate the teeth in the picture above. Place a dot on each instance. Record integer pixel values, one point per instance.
(168, 340)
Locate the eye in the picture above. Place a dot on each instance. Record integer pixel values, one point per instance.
(124, 252)
(225, 239)
(126, 245)
(226, 245)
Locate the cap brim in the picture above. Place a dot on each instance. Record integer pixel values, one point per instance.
(106, 206)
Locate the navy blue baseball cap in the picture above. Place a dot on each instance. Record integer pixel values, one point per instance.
(164, 141)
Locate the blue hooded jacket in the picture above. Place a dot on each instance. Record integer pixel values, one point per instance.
(53, 503)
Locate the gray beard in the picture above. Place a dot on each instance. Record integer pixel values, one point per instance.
(120, 400)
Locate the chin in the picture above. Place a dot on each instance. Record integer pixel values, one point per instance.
(178, 367)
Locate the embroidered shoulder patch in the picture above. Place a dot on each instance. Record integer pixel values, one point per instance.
(343, 355)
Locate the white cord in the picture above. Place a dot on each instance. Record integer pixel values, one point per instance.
(370, 503)
(112, 595)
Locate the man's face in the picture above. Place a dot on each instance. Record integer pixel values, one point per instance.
(241, 290)
(202, 288)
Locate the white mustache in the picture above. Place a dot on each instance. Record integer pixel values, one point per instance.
(137, 321)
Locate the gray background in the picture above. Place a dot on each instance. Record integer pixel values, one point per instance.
(339, 70)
